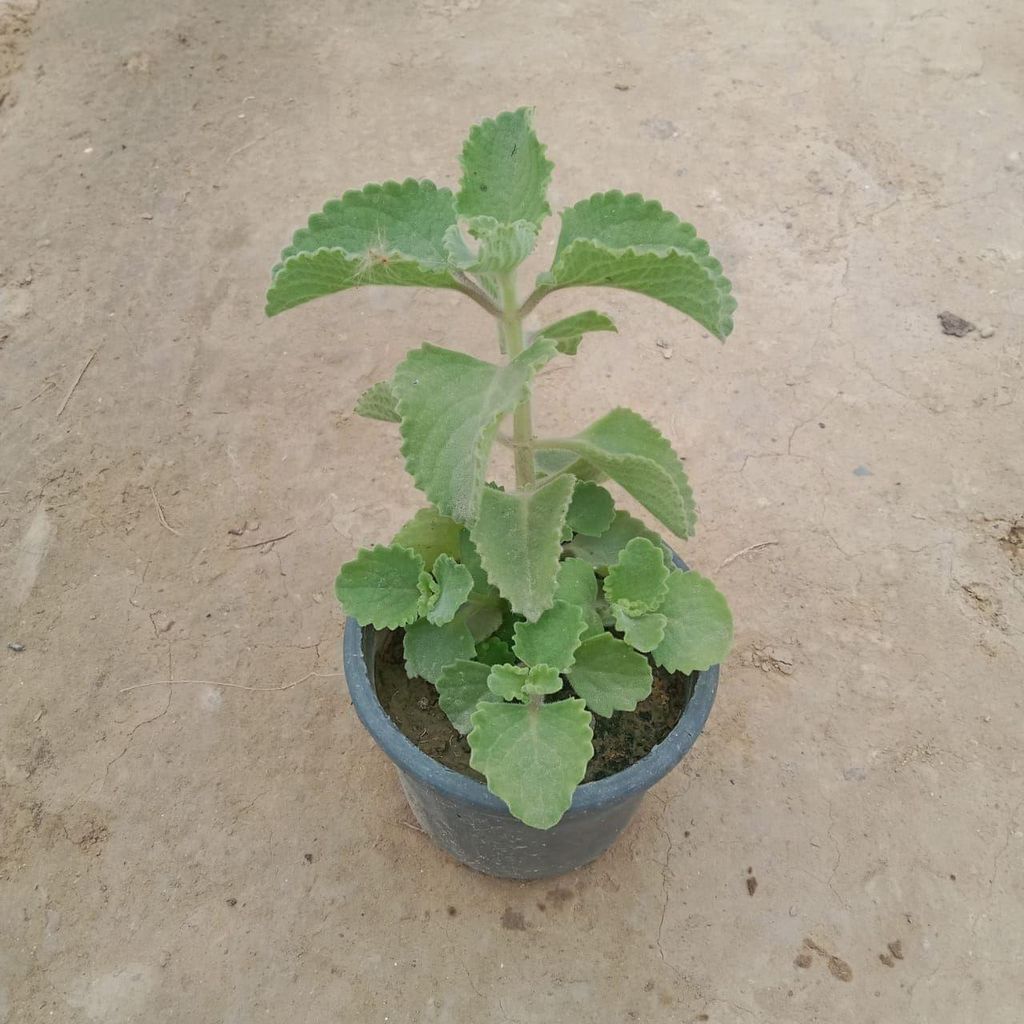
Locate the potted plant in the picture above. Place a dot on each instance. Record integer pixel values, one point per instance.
(532, 622)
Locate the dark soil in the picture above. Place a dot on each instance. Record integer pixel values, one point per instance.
(619, 741)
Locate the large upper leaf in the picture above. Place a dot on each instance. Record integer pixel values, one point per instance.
(430, 534)
(461, 687)
(382, 234)
(533, 757)
(430, 649)
(518, 538)
(609, 675)
(625, 241)
(604, 550)
(698, 633)
(553, 638)
(638, 582)
(568, 333)
(505, 173)
(451, 404)
(625, 447)
(382, 587)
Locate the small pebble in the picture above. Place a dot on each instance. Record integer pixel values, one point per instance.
(17, 648)
(793, 911)
(986, 331)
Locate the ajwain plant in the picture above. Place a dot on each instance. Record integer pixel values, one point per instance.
(528, 609)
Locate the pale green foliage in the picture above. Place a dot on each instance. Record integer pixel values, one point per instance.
(507, 594)
(382, 587)
(625, 241)
(430, 534)
(638, 581)
(609, 675)
(552, 639)
(378, 403)
(568, 333)
(505, 173)
(592, 509)
(699, 630)
(450, 405)
(454, 585)
(533, 756)
(460, 688)
(430, 649)
(518, 537)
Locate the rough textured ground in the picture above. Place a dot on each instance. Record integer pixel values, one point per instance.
(187, 852)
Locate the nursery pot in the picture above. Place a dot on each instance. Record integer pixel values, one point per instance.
(468, 821)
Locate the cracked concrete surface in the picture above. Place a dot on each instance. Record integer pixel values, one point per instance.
(226, 844)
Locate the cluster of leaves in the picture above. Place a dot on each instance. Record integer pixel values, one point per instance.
(511, 597)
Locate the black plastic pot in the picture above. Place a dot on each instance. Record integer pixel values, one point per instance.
(468, 821)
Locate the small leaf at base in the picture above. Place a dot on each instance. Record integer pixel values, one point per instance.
(609, 675)
(430, 649)
(699, 629)
(461, 687)
(638, 581)
(378, 403)
(381, 587)
(552, 639)
(455, 583)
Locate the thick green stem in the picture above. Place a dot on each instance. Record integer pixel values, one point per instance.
(511, 328)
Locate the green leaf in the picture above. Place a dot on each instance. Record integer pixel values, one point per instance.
(624, 241)
(625, 447)
(505, 173)
(604, 551)
(455, 583)
(552, 639)
(378, 403)
(381, 587)
(609, 675)
(383, 234)
(493, 651)
(451, 404)
(429, 592)
(638, 581)
(533, 757)
(592, 509)
(429, 649)
(502, 246)
(576, 584)
(518, 682)
(461, 687)
(699, 629)
(641, 632)
(518, 536)
(430, 534)
(568, 333)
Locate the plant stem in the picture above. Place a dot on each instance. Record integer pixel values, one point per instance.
(511, 330)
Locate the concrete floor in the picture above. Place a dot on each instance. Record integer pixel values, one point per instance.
(190, 852)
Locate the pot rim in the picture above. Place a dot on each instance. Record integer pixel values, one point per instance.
(638, 777)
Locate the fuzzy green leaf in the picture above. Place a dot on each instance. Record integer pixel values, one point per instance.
(699, 629)
(592, 509)
(518, 536)
(638, 581)
(461, 687)
(625, 241)
(552, 639)
(576, 584)
(519, 682)
(494, 651)
(533, 757)
(378, 403)
(609, 675)
(641, 632)
(568, 333)
(381, 587)
(604, 551)
(455, 583)
(429, 649)
(382, 234)
(430, 534)
(451, 404)
(502, 246)
(485, 609)
(505, 173)
(625, 447)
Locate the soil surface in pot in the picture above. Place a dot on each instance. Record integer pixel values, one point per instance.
(619, 741)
